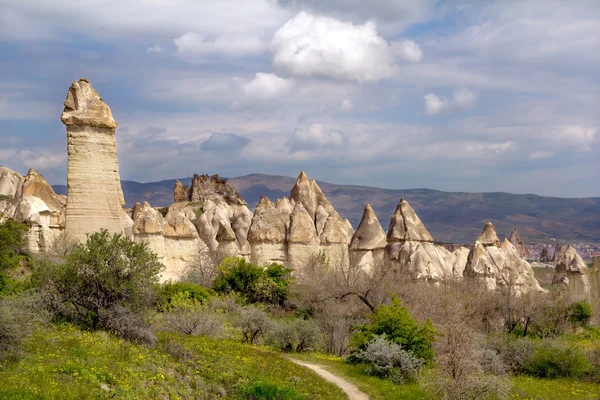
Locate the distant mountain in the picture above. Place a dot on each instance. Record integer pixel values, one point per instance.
(450, 216)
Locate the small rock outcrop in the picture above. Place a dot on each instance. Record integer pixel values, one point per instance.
(206, 187)
(572, 272)
(488, 236)
(516, 241)
(545, 256)
(95, 198)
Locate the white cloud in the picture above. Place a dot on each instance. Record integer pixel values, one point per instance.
(192, 46)
(267, 86)
(407, 50)
(313, 46)
(148, 20)
(314, 137)
(347, 105)
(579, 137)
(434, 104)
(540, 155)
(461, 99)
(157, 48)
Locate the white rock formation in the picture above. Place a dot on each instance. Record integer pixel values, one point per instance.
(267, 234)
(572, 272)
(410, 248)
(95, 198)
(498, 265)
(368, 242)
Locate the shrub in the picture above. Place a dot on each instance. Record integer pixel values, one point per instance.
(253, 322)
(107, 283)
(387, 359)
(515, 352)
(18, 316)
(556, 360)
(189, 316)
(254, 283)
(11, 237)
(581, 313)
(296, 335)
(474, 386)
(397, 324)
(166, 292)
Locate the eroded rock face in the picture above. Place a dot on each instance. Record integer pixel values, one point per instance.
(516, 241)
(572, 272)
(368, 242)
(406, 225)
(498, 266)
(95, 198)
(267, 234)
(42, 210)
(488, 236)
(207, 187)
(11, 183)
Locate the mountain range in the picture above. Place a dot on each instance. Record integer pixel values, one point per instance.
(455, 217)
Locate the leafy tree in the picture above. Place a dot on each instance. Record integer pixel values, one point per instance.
(106, 283)
(11, 238)
(581, 313)
(256, 284)
(395, 322)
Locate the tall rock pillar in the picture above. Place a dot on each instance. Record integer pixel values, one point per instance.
(95, 198)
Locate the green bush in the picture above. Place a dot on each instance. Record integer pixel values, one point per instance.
(106, 283)
(11, 237)
(581, 313)
(395, 322)
(557, 360)
(255, 284)
(167, 291)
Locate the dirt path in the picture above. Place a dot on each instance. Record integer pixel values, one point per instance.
(348, 388)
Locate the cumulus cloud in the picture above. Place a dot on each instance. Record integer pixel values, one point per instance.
(314, 137)
(540, 155)
(267, 86)
(322, 47)
(193, 46)
(224, 142)
(407, 50)
(461, 99)
(579, 137)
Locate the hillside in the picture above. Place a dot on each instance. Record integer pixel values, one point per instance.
(450, 216)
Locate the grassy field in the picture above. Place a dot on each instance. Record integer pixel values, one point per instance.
(63, 362)
(522, 387)
(376, 388)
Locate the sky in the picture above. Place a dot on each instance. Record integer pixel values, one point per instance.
(450, 95)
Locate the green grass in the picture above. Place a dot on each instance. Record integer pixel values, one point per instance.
(523, 387)
(553, 389)
(63, 362)
(376, 388)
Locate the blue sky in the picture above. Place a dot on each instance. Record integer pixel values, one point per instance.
(457, 96)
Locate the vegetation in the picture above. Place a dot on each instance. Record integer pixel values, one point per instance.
(395, 322)
(255, 284)
(107, 283)
(63, 362)
(11, 237)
